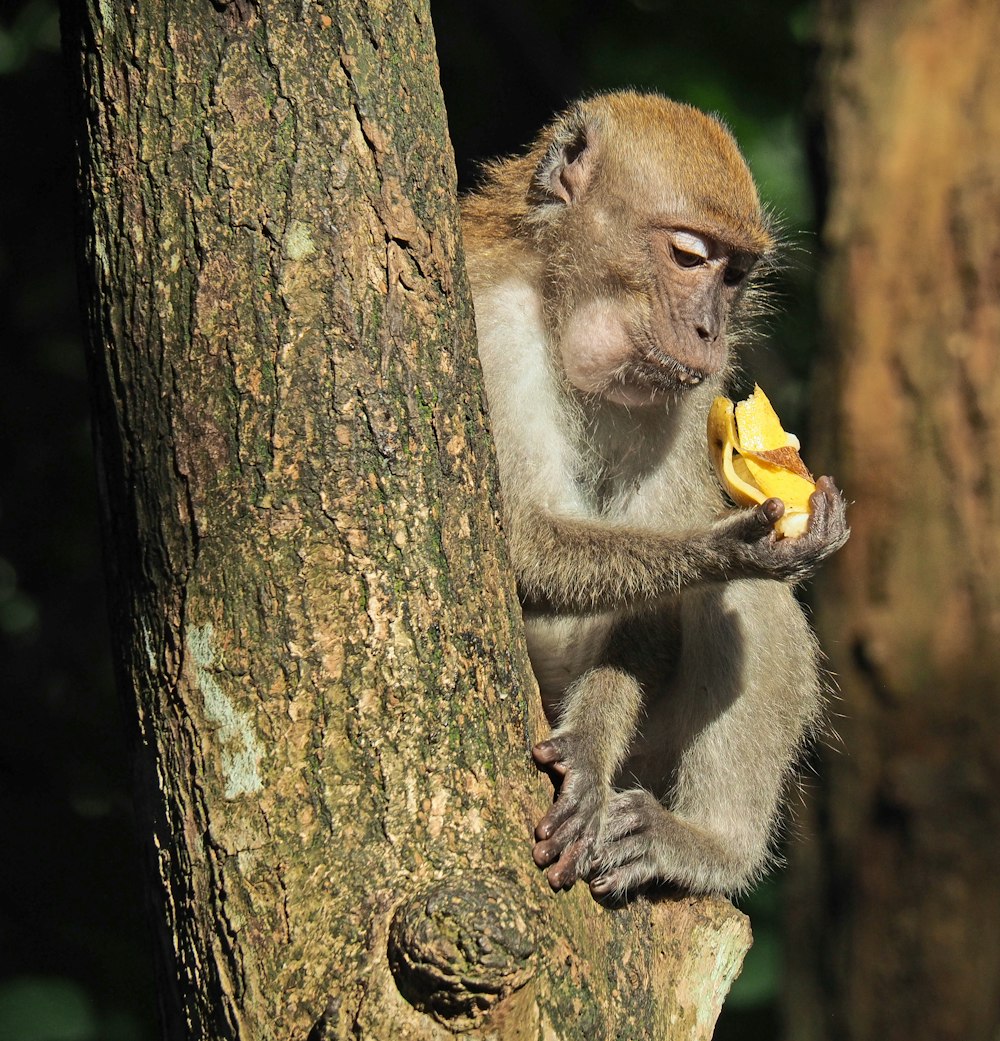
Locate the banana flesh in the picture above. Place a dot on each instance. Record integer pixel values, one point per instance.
(757, 460)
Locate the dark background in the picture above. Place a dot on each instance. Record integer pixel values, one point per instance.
(74, 951)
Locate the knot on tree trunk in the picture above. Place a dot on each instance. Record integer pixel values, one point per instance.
(459, 946)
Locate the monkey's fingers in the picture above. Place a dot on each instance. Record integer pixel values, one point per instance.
(543, 853)
(606, 885)
(566, 870)
(626, 868)
(562, 859)
(826, 498)
(751, 527)
(615, 878)
(771, 511)
(828, 514)
(561, 811)
(617, 864)
(550, 756)
(630, 813)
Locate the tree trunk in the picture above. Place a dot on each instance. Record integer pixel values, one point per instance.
(312, 603)
(905, 900)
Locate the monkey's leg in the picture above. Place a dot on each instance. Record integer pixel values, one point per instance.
(744, 697)
(596, 723)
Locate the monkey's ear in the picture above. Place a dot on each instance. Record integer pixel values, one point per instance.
(565, 172)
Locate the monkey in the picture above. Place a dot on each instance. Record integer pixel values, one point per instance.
(611, 267)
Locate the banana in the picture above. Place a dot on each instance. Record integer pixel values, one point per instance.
(756, 459)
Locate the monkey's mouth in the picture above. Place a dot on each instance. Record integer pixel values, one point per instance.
(662, 372)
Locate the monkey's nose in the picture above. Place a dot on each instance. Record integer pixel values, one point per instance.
(708, 328)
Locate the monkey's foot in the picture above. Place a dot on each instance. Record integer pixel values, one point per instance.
(567, 834)
(630, 854)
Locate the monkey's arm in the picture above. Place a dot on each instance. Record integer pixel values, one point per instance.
(587, 565)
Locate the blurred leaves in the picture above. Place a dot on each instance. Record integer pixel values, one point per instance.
(74, 955)
(18, 611)
(35, 1008)
(34, 27)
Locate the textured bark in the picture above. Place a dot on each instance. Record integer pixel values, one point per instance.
(313, 606)
(905, 895)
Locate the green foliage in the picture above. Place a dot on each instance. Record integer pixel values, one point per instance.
(751, 1012)
(758, 982)
(34, 27)
(74, 959)
(50, 1009)
(45, 1010)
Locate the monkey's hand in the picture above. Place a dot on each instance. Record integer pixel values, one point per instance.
(567, 834)
(755, 550)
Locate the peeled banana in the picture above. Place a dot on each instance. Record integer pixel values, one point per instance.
(756, 459)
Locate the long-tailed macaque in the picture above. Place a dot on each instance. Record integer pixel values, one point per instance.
(608, 265)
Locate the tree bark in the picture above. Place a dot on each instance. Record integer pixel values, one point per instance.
(904, 900)
(313, 608)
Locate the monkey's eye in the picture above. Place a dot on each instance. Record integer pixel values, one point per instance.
(687, 249)
(738, 269)
(682, 258)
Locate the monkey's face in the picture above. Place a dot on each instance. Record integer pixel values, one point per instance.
(642, 340)
(649, 223)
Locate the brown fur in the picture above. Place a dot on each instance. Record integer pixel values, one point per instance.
(607, 265)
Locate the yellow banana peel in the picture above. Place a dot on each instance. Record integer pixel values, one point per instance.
(757, 460)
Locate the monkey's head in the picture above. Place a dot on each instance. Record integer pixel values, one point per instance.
(649, 224)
